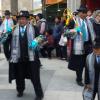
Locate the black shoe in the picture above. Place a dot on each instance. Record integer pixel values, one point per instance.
(80, 83)
(49, 57)
(41, 65)
(20, 94)
(63, 58)
(38, 98)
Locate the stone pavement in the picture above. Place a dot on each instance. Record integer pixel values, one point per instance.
(2, 56)
(58, 82)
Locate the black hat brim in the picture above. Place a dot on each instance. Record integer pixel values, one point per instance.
(22, 16)
(82, 10)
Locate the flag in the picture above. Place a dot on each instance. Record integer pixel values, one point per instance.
(53, 1)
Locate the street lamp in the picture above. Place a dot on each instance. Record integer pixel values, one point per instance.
(58, 8)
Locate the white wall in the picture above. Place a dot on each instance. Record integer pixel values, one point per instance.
(25, 5)
(29, 5)
(73, 5)
(0, 8)
(5, 5)
(37, 5)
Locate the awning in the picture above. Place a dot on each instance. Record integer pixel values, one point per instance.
(48, 2)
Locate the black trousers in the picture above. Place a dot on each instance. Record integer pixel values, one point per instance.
(6, 46)
(43, 52)
(94, 95)
(63, 50)
(79, 73)
(57, 47)
(46, 51)
(31, 70)
(79, 70)
(49, 50)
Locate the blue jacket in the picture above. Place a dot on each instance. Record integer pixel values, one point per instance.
(57, 31)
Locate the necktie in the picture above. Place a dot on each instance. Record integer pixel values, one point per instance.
(98, 59)
(83, 30)
(22, 31)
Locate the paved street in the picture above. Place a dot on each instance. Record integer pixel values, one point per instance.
(58, 82)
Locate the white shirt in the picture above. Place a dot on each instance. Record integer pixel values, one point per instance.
(98, 58)
(22, 29)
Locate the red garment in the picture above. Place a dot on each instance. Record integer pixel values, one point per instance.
(50, 39)
(69, 47)
(93, 4)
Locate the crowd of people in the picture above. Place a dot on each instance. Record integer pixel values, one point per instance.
(77, 42)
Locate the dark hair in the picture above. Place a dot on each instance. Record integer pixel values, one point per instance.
(7, 12)
(31, 15)
(96, 43)
(40, 15)
(50, 31)
(58, 17)
(97, 9)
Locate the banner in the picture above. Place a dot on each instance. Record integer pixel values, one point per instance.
(52, 1)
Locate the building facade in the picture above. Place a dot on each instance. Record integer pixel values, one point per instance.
(16, 5)
(34, 6)
(73, 4)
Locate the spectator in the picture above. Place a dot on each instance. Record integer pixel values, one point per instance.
(49, 44)
(57, 30)
(41, 23)
(89, 14)
(96, 23)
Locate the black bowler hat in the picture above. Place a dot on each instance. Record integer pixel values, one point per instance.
(83, 9)
(23, 14)
(7, 12)
(96, 43)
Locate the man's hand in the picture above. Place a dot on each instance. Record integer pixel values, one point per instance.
(73, 31)
(33, 44)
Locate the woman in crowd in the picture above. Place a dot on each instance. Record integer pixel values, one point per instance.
(96, 23)
(48, 46)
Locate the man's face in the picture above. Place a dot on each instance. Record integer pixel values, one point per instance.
(56, 20)
(23, 21)
(14, 17)
(96, 51)
(7, 16)
(98, 17)
(83, 15)
(37, 18)
(89, 13)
